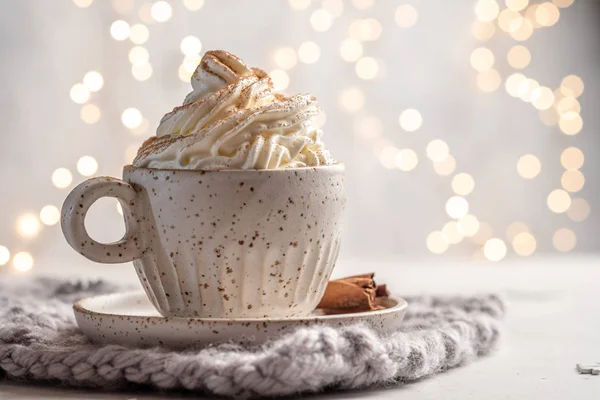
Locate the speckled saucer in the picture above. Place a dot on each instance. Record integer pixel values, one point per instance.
(130, 319)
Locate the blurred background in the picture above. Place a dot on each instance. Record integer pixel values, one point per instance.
(465, 125)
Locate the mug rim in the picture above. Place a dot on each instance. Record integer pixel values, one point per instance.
(339, 166)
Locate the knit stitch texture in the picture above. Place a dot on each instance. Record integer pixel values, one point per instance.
(39, 341)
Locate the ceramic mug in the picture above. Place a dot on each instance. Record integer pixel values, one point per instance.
(231, 243)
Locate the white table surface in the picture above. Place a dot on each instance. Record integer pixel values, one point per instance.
(552, 323)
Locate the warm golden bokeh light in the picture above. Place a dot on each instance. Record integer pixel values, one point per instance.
(524, 31)
(468, 225)
(363, 4)
(529, 166)
(483, 233)
(579, 210)
(483, 30)
(410, 120)
(23, 261)
(334, 7)
(90, 114)
(542, 98)
(572, 86)
(516, 5)
(486, 10)
(161, 11)
(489, 81)
(321, 20)
(62, 178)
(524, 244)
(352, 99)
(369, 127)
(406, 16)
(436, 242)
(570, 123)
(563, 3)
(4, 255)
(547, 14)
(195, 5)
(482, 59)
(309, 52)
(351, 50)
(138, 55)
(558, 201)
(509, 20)
(143, 72)
(568, 104)
(518, 57)
(451, 233)
(131, 118)
(50, 215)
(572, 158)
(407, 160)
(463, 184)
(437, 150)
(79, 93)
(445, 167)
(365, 30)
(190, 46)
(389, 156)
(93, 81)
(286, 58)
(513, 83)
(515, 228)
(527, 89)
(280, 78)
(494, 249)
(549, 117)
(120, 30)
(82, 4)
(139, 34)
(564, 240)
(572, 181)
(457, 207)
(87, 166)
(28, 225)
(299, 4)
(367, 68)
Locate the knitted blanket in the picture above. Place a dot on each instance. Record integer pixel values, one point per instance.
(39, 341)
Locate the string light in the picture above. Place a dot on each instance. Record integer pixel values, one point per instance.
(513, 83)
(352, 99)
(141, 72)
(451, 233)
(87, 166)
(518, 57)
(28, 225)
(524, 244)
(486, 10)
(299, 4)
(547, 14)
(309, 52)
(90, 114)
(524, 31)
(367, 68)
(79, 93)
(83, 3)
(23, 261)
(489, 81)
(436, 242)
(93, 81)
(286, 58)
(49, 215)
(457, 207)
(494, 249)
(407, 160)
(526, 89)
(351, 50)
(410, 120)
(570, 123)
(280, 79)
(120, 30)
(516, 5)
(406, 16)
(563, 3)
(572, 86)
(437, 150)
(483, 30)
(138, 55)
(572, 181)
(131, 118)
(4, 255)
(161, 11)
(463, 184)
(445, 167)
(468, 225)
(190, 46)
(482, 59)
(568, 104)
(564, 240)
(139, 34)
(321, 20)
(579, 210)
(572, 158)
(62, 178)
(193, 5)
(509, 20)
(559, 201)
(542, 98)
(529, 166)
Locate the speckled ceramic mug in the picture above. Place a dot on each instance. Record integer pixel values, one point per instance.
(241, 243)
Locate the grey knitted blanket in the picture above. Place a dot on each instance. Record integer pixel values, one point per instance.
(39, 341)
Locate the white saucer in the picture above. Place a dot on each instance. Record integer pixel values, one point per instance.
(130, 319)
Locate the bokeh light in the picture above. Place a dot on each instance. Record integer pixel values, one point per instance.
(463, 184)
(445, 167)
(513, 83)
(280, 78)
(28, 225)
(87, 166)
(120, 30)
(286, 58)
(334, 7)
(482, 59)
(50, 215)
(4, 255)
(558, 201)
(542, 98)
(518, 57)
(524, 31)
(407, 160)
(190, 46)
(483, 30)
(524, 244)
(352, 99)
(547, 14)
(563, 3)
(299, 4)
(83, 3)
(406, 16)
(494, 249)
(351, 50)
(572, 181)
(79, 93)
(457, 207)
(483, 233)
(564, 240)
(486, 10)
(516, 5)
(139, 34)
(572, 158)
(90, 114)
(437, 150)
(161, 11)
(515, 228)
(570, 123)
(142, 72)
(568, 104)
(138, 55)
(509, 20)
(468, 225)
(369, 127)
(579, 210)
(321, 20)
(436, 243)
(131, 118)
(451, 233)
(572, 86)
(410, 120)
(367, 68)
(62, 178)
(529, 166)
(489, 81)
(309, 52)
(93, 81)
(365, 29)
(363, 4)
(527, 89)
(193, 5)
(23, 261)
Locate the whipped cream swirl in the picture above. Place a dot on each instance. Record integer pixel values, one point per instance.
(232, 119)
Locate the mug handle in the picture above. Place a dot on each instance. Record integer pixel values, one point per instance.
(75, 208)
